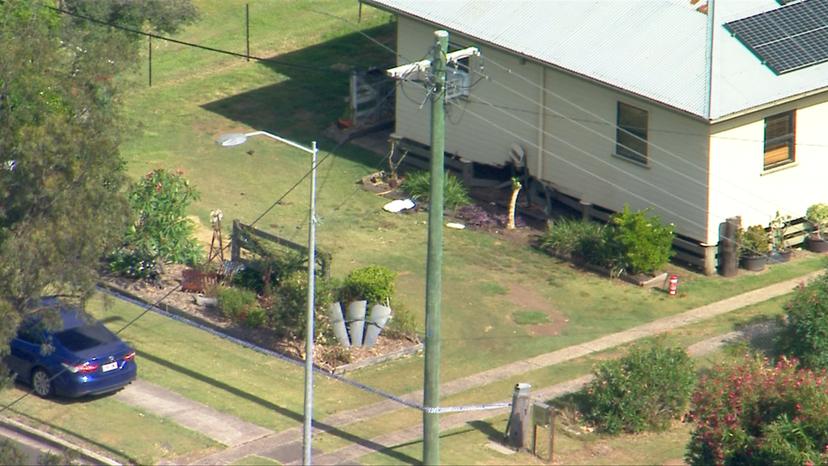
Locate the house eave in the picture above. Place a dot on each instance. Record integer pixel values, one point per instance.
(768, 105)
(529, 58)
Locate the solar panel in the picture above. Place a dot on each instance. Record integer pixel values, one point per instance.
(789, 38)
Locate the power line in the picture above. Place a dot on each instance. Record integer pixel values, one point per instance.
(614, 125)
(126, 326)
(192, 44)
(599, 177)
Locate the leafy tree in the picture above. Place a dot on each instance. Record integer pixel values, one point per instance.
(162, 16)
(61, 176)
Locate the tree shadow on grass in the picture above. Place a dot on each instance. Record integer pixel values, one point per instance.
(305, 102)
(297, 416)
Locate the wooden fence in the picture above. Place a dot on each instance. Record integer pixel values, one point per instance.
(241, 239)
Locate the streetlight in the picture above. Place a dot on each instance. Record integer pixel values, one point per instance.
(235, 139)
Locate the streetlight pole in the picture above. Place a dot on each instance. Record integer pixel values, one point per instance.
(235, 139)
(309, 334)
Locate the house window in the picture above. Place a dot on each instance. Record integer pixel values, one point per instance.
(779, 139)
(631, 133)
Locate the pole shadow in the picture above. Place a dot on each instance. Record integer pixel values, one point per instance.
(281, 410)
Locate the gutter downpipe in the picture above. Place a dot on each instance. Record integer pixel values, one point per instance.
(541, 119)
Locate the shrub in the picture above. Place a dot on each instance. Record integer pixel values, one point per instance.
(403, 324)
(287, 311)
(132, 264)
(564, 236)
(779, 227)
(754, 413)
(10, 453)
(805, 334)
(753, 242)
(597, 248)
(644, 243)
(373, 283)
(264, 275)
(236, 303)
(644, 390)
(418, 185)
(160, 231)
(817, 216)
(256, 317)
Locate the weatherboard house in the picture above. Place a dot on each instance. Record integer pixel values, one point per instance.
(699, 111)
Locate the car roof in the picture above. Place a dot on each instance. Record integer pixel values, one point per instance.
(70, 316)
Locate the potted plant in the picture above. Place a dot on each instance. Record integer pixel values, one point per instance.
(754, 247)
(779, 227)
(817, 216)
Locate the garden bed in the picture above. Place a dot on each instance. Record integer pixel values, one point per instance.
(326, 356)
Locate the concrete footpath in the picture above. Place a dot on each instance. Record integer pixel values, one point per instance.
(350, 453)
(223, 428)
(285, 447)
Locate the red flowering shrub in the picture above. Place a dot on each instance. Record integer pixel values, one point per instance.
(753, 413)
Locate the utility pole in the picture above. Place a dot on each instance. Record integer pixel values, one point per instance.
(433, 72)
(434, 264)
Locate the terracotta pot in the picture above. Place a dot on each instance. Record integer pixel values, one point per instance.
(815, 244)
(754, 263)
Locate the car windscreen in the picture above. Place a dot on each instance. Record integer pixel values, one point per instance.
(85, 337)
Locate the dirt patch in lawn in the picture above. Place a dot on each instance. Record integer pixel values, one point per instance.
(522, 297)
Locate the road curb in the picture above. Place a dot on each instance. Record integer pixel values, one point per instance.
(58, 442)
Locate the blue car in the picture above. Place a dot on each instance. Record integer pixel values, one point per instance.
(66, 353)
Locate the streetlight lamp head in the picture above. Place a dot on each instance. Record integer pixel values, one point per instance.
(231, 139)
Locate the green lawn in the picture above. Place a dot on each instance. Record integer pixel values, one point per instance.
(223, 375)
(196, 96)
(469, 445)
(111, 427)
(539, 378)
(488, 280)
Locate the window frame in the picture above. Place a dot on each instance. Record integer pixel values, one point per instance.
(776, 142)
(625, 131)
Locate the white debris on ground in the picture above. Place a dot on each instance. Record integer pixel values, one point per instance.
(398, 205)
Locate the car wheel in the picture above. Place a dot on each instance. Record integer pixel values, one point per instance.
(41, 383)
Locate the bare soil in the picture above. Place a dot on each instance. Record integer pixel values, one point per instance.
(527, 298)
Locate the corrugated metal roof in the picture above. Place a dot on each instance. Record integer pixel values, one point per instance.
(654, 48)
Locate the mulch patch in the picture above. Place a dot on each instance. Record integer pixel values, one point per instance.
(326, 354)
